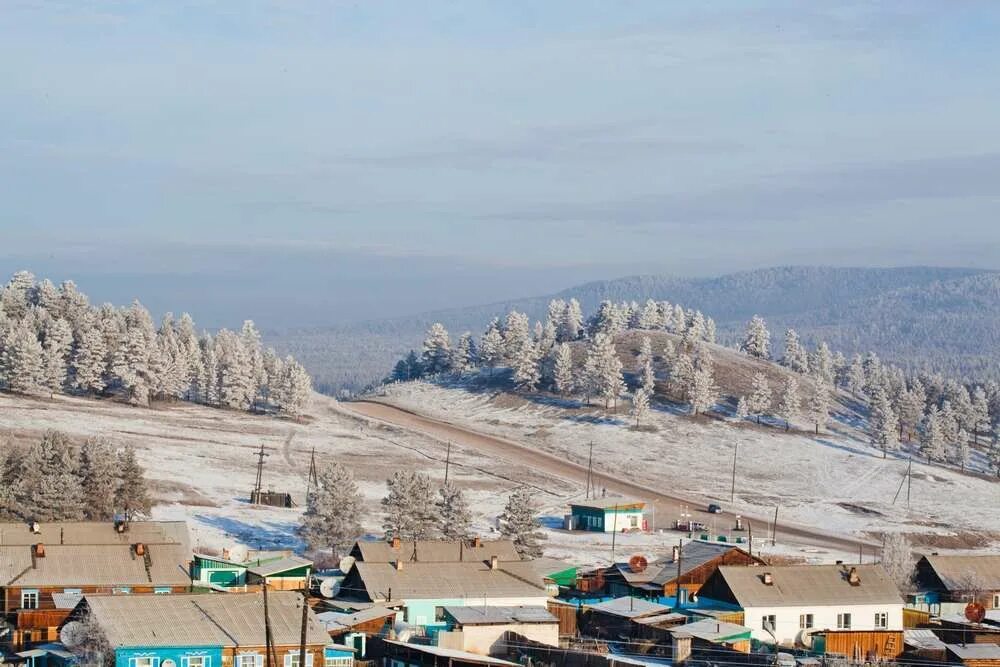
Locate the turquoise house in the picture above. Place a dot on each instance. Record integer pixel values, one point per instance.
(282, 570)
(608, 515)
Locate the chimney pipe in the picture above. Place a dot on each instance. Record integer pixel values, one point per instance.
(675, 554)
(399, 564)
(396, 542)
(140, 549)
(768, 579)
(494, 562)
(853, 578)
(39, 550)
(477, 541)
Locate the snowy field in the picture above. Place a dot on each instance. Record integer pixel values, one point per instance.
(835, 480)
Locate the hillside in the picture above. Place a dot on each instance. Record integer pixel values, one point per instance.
(929, 317)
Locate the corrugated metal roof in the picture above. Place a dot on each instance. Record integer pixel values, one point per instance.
(693, 555)
(975, 651)
(434, 551)
(278, 566)
(714, 631)
(810, 585)
(335, 620)
(922, 638)
(94, 565)
(226, 620)
(453, 580)
(662, 618)
(629, 607)
(94, 532)
(500, 615)
(609, 503)
(455, 654)
(954, 571)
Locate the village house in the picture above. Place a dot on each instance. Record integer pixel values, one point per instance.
(608, 515)
(210, 630)
(475, 550)
(283, 571)
(854, 610)
(424, 589)
(354, 627)
(481, 629)
(691, 564)
(42, 581)
(946, 584)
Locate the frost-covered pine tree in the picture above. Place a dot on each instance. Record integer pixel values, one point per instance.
(695, 331)
(437, 350)
(21, 360)
(710, 331)
(527, 374)
(133, 359)
(760, 400)
(132, 499)
(640, 405)
(18, 295)
(89, 360)
(491, 346)
(519, 523)
(791, 404)
(48, 486)
(855, 376)
(819, 406)
(187, 340)
(99, 479)
(883, 422)
(55, 353)
(795, 355)
(897, 560)
(678, 320)
(331, 519)
(703, 392)
(681, 375)
(603, 370)
(649, 316)
(821, 364)
(453, 514)
(463, 356)
(757, 339)
(960, 449)
(572, 325)
(911, 408)
(563, 374)
(742, 408)
(980, 411)
(547, 341)
(408, 507)
(516, 332)
(236, 383)
(296, 388)
(555, 315)
(932, 441)
(208, 381)
(605, 321)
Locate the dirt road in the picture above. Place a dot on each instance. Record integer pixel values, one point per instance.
(665, 505)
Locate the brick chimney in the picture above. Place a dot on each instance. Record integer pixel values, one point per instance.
(477, 541)
(140, 549)
(395, 542)
(853, 578)
(39, 550)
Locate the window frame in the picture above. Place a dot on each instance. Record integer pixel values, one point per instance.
(121, 590)
(338, 661)
(31, 593)
(996, 600)
(206, 660)
(844, 620)
(256, 658)
(774, 622)
(164, 590)
(154, 661)
(807, 621)
(292, 659)
(881, 620)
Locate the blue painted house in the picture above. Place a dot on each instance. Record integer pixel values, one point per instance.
(210, 630)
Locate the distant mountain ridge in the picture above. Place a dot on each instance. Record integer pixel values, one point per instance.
(926, 317)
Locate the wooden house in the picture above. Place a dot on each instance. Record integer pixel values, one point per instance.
(612, 619)
(608, 515)
(352, 628)
(691, 564)
(475, 550)
(945, 584)
(858, 609)
(974, 655)
(41, 582)
(281, 570)
(210, 630)
(482, 629)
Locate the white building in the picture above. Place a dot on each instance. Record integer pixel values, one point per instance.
(481, 629)
(793, 602)
(608, 515)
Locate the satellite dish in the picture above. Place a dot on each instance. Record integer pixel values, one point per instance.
(805, 638)
(552, 590)
(329, 587)
(975, 612)
(238, 553)
(638, 563)
(346, 563)
(73, 634)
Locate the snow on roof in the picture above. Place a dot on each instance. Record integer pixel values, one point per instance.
(449, 580)
(500, 615)
(809, 584)
(975, 651)
(922, 638)
(94, 532)
(629, 607)
(434, 551)
(714, 631)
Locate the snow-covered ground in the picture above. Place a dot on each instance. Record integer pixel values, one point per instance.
(834, 480)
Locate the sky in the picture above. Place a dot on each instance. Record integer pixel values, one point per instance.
(308, 163)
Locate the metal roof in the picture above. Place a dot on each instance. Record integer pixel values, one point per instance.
(955, 571)
(278, 566)
(975, 651)
(336, 620)
(809, 585)
(463, 656)
(94, 565)
(662, 618)
(693, 555)
(609, 503)
(922, 638)
(434, 551)
(94, 532)
(714, 631)
(629, 607)
(499, 615)
(452, 580)
(226, 620)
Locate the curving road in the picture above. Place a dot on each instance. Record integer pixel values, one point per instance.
(665, 504)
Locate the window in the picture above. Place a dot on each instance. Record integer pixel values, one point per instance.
(769, 622)
(73, 591)
(29, 599)
(163, 590)
(292, 659)
(249, 660)
(144, 662)
(196, 661)
(843, 621)
(439, 614)
(338, 661)
(633, 522)
(881, 620)
(121, 590)
(996, 600)
(805, 621)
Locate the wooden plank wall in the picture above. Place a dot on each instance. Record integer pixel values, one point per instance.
(881, 643)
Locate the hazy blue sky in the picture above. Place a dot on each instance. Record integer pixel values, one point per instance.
(309, 162)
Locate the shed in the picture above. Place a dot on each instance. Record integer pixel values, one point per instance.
(975, 655)
(481, 629)
(609, 515)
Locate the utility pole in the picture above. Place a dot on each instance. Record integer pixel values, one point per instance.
(677, 586)
(312, 481)
(302, 629)
(732, 491)
(774, 527)
(614, 533)
(909, 476)
(447, 465)
(268, 638)
(590, 470)
(255, 496)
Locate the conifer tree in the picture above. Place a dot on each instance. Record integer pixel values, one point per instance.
(331, 519)
(563, 369)
(795, 355)
(89, 360)
(48, 486)
(821, 364)
(791, 403)
(519, 523)
(649, 316)
(21, 361)
(454, 517)
(742, 408)
(960, 450)
(572, 326)
(932, 443)
(760, 400)
(555, 316)
(463, 356)
(99, 479)
(682, 372)
(491, 346)
(911, 408)
(603, 370)
(437, 356)
(296, 388)
(757, 340)
(855, 377)
(640, 405)
(408, 507)
(883, 422)
(703, 392)
(525, 366)
(516, 333)
(55, 353)
(132, 498)
(819, 406)
(710, 330)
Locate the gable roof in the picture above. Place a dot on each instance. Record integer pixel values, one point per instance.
(714, 631)
(226, 620)
(609, 503)
(500, 615)
(629, 607)
(952, 571)
(662, 571)
(94, 565)
(434, 551)
(271, 568)
(808, 585)
(422, 580)
(94, 533)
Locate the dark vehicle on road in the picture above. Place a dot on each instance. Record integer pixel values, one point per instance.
(715, 509)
